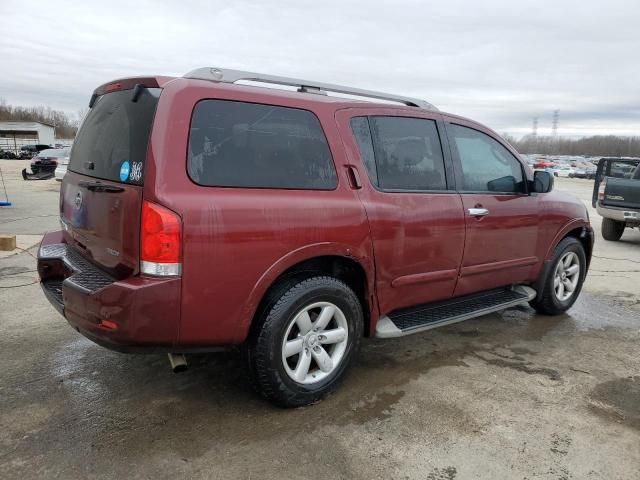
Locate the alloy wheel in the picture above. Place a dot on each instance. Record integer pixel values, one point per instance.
(315, 343)
(566, 276)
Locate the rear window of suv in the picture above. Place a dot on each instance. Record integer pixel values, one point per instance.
(112, 141)
(239, 144)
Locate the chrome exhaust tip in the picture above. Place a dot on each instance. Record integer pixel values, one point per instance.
(178, 362)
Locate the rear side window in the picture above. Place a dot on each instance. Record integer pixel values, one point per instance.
(238, 144)
(408, 153)
(486, 165)
(112, 141)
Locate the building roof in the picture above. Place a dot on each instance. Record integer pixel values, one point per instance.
(22, 126)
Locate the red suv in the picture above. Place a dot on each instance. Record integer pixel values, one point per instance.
(198, 213)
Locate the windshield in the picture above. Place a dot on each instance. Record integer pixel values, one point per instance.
(55, 152)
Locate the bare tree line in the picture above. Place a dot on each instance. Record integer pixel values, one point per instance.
(595, 146)
(599, 145)
(66, 125)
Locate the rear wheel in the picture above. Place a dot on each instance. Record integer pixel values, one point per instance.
(612, 230)
(563, 282)
(304, 343)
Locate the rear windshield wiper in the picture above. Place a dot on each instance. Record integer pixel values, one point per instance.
(100, 187)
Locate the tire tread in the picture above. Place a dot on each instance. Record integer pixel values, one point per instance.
(260, 353)
(546, 303)
(612, 230)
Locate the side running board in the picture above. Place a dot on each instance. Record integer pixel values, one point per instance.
(425, 317)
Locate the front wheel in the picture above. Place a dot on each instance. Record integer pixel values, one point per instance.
(563, 281)
(303, 345)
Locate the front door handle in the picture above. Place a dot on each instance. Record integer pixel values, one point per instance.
(478, 212)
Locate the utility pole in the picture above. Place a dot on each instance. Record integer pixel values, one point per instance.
(534, 130)
(554, 124)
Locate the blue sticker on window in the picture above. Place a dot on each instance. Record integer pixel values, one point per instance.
(124, 171)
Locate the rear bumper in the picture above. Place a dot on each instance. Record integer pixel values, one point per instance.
(136, 314)
(621, 214)
(60, 171)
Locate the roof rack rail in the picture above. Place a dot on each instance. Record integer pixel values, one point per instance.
(232, 76)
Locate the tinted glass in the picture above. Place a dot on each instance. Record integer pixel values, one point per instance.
(362, 134)
(112, 141)
(408, 153)
(54, 152)
(624, 170)
(237, 144)
(486, 165)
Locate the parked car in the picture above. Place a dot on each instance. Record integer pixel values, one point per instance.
(564, 171)
(30, 151)
(7, 155)
(543, 164)
(198, 213)
(585, 172)
(46, 161)
(63, 163)
(616, 196)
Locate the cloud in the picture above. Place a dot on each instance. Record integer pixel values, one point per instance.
(499, 62)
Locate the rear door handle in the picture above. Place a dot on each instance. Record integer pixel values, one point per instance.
(478, 212)
(354, 177)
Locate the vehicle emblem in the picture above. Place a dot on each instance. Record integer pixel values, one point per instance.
(78, 201)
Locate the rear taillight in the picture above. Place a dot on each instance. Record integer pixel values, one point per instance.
(601, 189)
(159, 241)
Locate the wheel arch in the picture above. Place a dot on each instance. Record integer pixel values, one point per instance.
(323, 259)
(578, 229)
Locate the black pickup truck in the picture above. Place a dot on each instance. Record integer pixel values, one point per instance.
(616, 195)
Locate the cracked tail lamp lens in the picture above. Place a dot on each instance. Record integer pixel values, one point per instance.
(159, 241)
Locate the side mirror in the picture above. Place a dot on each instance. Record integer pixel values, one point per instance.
(542, 182)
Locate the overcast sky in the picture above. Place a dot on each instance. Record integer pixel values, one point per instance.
(499, 62)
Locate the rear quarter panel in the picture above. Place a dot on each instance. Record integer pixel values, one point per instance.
(236, 241)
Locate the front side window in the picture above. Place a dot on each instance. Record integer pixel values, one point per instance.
(486, 165)
(238, 144)
(408, 153)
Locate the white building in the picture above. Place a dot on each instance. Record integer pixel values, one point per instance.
(14, 135)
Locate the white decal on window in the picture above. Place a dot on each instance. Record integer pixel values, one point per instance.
(136, 172)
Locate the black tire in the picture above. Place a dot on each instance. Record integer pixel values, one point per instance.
(547, 302)
(612, 230)
(263, 350)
